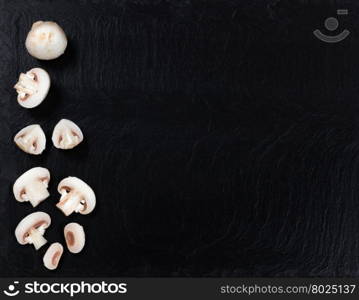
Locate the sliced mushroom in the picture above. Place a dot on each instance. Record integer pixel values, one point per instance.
(66, 135)
(32, 87)
(75, 237)
(46, 40)
(32, 228)
(53, 255)
(32, 186)
(76, 196)
(31, 139)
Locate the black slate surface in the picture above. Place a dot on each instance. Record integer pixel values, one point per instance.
(221, 137)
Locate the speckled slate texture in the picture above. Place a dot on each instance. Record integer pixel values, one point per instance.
(221, 138)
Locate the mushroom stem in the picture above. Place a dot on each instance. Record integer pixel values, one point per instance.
(70, 203)
(26, 85)
(34, 202)
(36, 192)
(36, 238)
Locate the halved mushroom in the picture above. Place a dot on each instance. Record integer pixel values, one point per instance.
(53, 255)
(32, 228)
(76, 196)
(66, 135)
(31, 139)
(46, 40)
(75, 237)
(32, 87)
(32, 186)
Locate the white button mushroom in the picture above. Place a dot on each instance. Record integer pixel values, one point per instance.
(66, 135)
(32, 87)
(76, 196)
(32, 186)
(75, 237)
(31, 139)
(53, 255)
(32, 228)
(46, 40)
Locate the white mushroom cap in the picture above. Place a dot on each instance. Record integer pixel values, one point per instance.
(32, 186)
(53, 255)
(31, 229)
(76, 196)
(75, 237)
(32, 87)
(67, 135)
(46, 40)
(31, 139)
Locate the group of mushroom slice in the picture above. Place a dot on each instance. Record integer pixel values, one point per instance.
(75, 241)
(76, 196)
(32, 139)
(32, 228)
(46, 41)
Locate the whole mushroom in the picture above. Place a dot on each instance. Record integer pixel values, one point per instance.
(46, 40)
(76, 196)
(66, 135)
(32, 87)
(75, 237)
(31, 229)
(31, 139)
(52, 256)
(32, 186)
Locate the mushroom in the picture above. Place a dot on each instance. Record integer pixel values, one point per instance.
(32, 186)
(46, 40)
(32, 228)
(32, 87)
(75, 237)
(31, 139)
(52, 256)
(66, 135)
(76, 196)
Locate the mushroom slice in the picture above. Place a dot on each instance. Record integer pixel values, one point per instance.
(32, 186)
(76, 196)
(31, 139)
(75, 237)
(32, 87)
(46, 40)
(67, 135)
(32, 228)
(53, 255)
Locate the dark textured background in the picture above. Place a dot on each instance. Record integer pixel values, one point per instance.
(222, 138)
